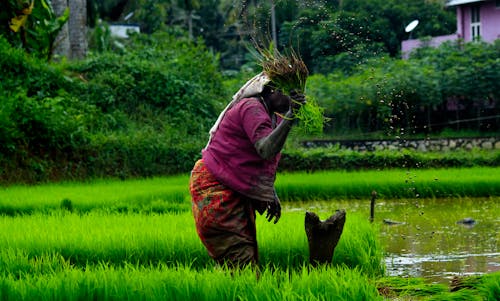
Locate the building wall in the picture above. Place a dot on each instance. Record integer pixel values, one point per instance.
(461, 22)
(408, 45)
(490, 27)
(490, 21)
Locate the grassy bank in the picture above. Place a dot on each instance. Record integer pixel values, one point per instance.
(394, 183)
(171, 194)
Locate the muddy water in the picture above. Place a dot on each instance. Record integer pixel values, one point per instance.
(426, 237)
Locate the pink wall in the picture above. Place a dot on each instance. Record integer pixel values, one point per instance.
(490, 27)
(408, 45)
(490, 21)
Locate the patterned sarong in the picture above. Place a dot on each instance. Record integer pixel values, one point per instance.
(225, 219)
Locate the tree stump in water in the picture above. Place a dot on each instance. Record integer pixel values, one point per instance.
(323, 236)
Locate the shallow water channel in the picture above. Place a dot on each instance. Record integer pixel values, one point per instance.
(429, 237)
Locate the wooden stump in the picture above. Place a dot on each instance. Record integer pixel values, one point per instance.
(323, 236)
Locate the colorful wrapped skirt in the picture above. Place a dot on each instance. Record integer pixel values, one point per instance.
(225, 219)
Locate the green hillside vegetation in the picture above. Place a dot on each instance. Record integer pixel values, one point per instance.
(146, 111)
(142, 112)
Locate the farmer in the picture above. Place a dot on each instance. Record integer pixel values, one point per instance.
(236, 174)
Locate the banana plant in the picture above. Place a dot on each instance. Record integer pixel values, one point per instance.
(33, 25)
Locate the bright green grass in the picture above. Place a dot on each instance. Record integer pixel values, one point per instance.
(427, 183)
(182, 283)
(115, 245)
(164, 194)
(168, 238)
(473, 288)
(171, 194)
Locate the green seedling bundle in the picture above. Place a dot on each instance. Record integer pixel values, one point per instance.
(289, 73)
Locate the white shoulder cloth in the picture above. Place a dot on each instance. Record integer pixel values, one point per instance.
(252, 87)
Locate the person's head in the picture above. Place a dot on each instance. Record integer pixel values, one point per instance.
(275, 99)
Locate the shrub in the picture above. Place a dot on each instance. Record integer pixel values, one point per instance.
(336, 159)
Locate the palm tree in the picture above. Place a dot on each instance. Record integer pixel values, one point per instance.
(61, 44)
(77, 28)
(187, 7)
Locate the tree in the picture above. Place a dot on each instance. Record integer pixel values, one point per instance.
(61, 43)
(31, 25)
(187, 7)
(77, 29)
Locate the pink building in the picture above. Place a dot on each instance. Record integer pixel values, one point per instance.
(476, 19)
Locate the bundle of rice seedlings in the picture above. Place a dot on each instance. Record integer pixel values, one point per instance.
(288, 72)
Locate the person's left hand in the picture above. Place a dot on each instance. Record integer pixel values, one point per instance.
(274, 210)
(297, 100)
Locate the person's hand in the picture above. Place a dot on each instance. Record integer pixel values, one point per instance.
(297, 100)
(274, 210)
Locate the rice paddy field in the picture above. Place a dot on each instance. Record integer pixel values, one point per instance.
(135, 240)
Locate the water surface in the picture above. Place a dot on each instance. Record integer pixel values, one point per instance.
(426, 237)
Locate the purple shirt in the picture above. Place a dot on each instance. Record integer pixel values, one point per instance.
(231, 155)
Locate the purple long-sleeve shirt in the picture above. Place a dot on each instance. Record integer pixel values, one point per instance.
(231, 155)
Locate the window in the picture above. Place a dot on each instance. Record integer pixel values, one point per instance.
(497, 3)
(475, 22)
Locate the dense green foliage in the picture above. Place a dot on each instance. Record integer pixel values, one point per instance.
(330, 34)
(37, 31)
(76, 255)
(143, 112)
(399, 97)
(146, 239)
(333, 158)
(351, 32)
(390, 184)
(145, 108)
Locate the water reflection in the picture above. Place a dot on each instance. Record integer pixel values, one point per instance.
(432, 238)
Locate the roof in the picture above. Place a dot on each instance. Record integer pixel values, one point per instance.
(460, 2)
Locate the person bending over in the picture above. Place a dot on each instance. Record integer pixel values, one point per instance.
(235, 176)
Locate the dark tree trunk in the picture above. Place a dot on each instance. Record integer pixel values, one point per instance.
(323, 236)
(78, 28)
(61, 47)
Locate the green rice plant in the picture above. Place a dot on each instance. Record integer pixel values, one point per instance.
(167, 238)
(484, 287)
(289, 73)
(311, 118)
(397, 286)
(286, 70)
(161, 282)
(490, 287)
(394, 183)
(171, 194)
(165, 194)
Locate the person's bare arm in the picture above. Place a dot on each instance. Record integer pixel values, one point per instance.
(269, 146)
